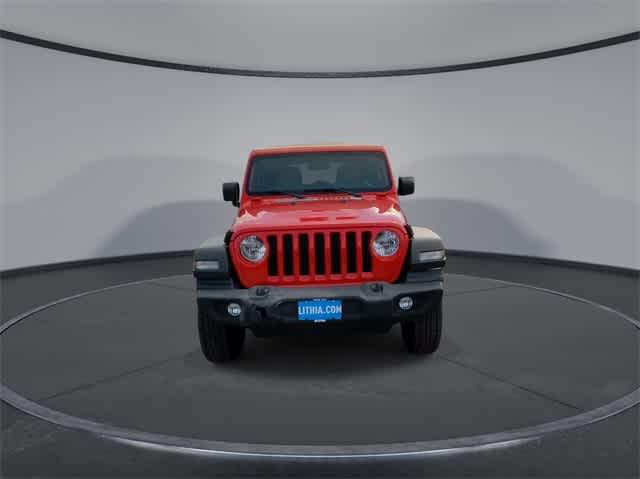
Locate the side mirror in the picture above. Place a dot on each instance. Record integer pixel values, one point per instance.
(406, 185)
(231, 192)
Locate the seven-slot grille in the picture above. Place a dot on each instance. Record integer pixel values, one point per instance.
(322, 253)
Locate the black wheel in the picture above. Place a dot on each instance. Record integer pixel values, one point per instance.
(219, 342)
(422, 336)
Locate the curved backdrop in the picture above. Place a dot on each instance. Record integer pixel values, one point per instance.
(104, 158)
(323, 35)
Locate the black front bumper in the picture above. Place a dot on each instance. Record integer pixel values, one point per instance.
(278, 305)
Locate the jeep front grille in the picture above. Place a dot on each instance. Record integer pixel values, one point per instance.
(337, 254)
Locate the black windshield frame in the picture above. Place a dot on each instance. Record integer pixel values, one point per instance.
(372, 166)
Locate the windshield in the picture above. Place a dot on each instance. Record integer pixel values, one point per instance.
(352, 171)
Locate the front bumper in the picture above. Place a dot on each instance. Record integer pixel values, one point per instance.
(367, 302)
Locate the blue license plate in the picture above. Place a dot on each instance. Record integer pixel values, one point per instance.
(320, 309)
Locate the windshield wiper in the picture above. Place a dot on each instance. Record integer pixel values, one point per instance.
(336, 190)
(295, 194)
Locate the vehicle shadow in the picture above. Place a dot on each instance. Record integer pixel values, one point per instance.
(521, 204)
(316, 354)
(121, 206)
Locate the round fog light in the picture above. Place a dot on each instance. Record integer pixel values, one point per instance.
(405, 303)
(234, 309)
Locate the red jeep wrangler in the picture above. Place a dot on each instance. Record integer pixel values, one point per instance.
(319, 242)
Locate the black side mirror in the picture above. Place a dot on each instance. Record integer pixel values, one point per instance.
(231, 192)
(406, 185)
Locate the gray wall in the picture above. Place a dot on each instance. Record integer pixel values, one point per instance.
(106, 159)
(3, 156)
(636, 152)
(321, 34)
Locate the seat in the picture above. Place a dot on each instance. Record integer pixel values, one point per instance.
(349, 176)
(289, 179)
(265, 180)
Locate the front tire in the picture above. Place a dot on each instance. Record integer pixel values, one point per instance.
(219, 342)
(422, 336)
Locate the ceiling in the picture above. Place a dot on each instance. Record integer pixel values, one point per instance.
(321, 35)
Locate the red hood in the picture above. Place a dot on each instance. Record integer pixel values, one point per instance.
(318, 211)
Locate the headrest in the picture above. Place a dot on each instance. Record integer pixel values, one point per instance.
(289, 178)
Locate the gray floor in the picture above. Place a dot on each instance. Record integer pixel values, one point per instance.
(511, 357)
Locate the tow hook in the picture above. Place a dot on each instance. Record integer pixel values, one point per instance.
(262, 291)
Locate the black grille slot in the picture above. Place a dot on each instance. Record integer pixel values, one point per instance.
(273, 255)
(366, 252)
(304, 253)
(319, 238)
(351, 252)
(287, 244)
(335, 253)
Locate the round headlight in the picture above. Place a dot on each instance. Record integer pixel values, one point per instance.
(252, 248)
(386, 243)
